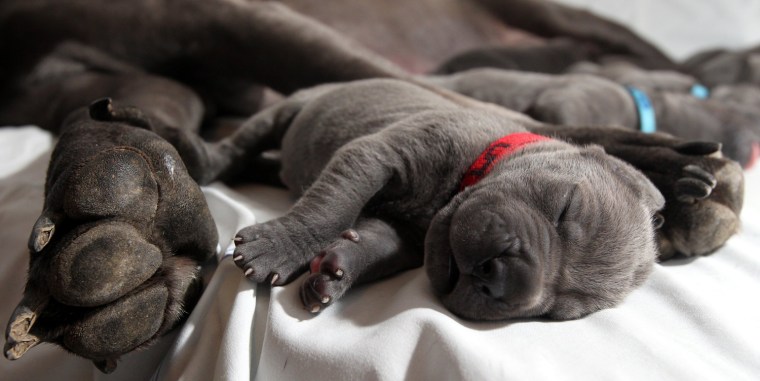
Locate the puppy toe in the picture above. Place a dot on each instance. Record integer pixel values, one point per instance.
(340, 255)
(317, 292)
(268, 252)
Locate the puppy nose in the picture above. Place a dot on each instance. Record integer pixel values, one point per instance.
(490, 278)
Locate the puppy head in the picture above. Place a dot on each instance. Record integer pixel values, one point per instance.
(555, 230)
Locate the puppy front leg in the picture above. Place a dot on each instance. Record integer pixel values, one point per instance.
(281, 249)
(373, 249)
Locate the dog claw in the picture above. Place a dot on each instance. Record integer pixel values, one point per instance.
(275, 278)
(325, 299)
(701, 174)
(690, 190)
(101, 109)
(350, 235)
(237, 258)
(339, 273)
(237, 240)
(248, 272)
(315, 309)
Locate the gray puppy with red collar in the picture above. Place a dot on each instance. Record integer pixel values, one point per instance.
(508, 223)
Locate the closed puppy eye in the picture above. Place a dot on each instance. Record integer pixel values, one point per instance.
(566, 206)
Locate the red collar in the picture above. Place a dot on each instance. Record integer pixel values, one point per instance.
(494, 153)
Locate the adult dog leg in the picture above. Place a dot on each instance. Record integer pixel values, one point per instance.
(373, 249)
(264, 42)
(549, 19)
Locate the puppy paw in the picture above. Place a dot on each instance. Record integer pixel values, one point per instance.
(275, 251)
(331, 272)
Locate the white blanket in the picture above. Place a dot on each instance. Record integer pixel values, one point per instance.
(691, 320)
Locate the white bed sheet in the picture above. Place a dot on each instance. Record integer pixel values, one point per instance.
(695, 320)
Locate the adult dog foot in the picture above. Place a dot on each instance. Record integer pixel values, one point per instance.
(114, 257)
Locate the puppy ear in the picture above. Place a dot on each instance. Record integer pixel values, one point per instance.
(636, 181)
(437, 244)
(42, 232)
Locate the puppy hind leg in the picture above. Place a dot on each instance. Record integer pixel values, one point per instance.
(239, 156)
(373, 249)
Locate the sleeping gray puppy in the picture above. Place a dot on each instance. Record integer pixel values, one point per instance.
(583, 99)
(548, 229)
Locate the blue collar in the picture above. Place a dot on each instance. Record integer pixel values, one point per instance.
(647, 120)
(700, 91)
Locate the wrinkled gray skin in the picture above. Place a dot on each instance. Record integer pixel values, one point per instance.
(377, 166)
(583, 99)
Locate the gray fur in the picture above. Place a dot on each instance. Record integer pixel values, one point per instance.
(263, 43)
(726, 67)
(583, 99)
(390, 154)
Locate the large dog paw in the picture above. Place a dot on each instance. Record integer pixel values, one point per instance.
(277, 250)
(115, 255)
(703, 208)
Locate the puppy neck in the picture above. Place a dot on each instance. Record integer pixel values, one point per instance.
(494, 153)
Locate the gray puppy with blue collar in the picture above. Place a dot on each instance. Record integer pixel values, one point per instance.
(650, 101)
(508, 223)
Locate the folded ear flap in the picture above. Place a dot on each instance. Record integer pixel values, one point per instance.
(42, 232)
(636, 181)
